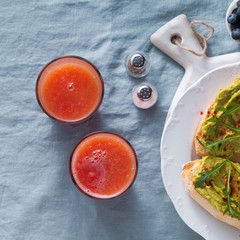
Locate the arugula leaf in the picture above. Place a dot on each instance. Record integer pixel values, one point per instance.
(231, 120)
(236, 203)
(227, 193)
(233, 164)
(208, 175)
(219, 145)
(227, 189)
(226, 113)
(231, 127)
(200, 142)
(223, 109)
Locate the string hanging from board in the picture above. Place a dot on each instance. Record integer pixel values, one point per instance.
(178, 41)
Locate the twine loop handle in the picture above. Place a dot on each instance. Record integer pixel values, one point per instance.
(203, 40)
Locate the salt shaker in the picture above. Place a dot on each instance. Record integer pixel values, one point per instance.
(144, 95)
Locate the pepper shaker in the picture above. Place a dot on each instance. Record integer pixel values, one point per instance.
(138, 64)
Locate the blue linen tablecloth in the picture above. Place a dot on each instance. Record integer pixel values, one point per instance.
(37, 197)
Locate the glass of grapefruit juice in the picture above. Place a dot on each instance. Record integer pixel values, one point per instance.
(70, 89)
(103, 165)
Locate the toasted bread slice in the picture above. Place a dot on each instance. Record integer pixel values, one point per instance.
(188, 172)
(200, 150)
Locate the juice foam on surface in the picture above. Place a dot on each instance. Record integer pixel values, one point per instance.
(103, 165)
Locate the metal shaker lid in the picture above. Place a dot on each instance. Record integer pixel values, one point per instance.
(144, 92)
(144, 95)
(137, 64)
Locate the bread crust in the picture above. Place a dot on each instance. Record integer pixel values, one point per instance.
(200, 150)
(188, 172)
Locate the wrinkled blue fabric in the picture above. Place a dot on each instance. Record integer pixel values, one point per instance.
(37, 197)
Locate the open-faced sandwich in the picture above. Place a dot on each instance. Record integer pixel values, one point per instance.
(214, 180)
(218, 133)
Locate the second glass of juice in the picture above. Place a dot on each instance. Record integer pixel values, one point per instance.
(70, 89)
(103, 165)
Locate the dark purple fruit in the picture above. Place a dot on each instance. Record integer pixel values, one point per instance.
(234, 10)
(238, 12)
(234, 26)
(233, 18)
(236, 34)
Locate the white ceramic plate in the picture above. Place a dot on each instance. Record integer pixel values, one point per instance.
(177, 149)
